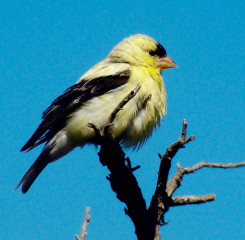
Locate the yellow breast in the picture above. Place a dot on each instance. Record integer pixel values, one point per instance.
(133, 125)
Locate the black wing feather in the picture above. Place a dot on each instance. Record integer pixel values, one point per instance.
(71, 99)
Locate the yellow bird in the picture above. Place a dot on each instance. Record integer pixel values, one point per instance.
(137, 59)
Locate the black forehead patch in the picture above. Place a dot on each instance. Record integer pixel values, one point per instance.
(160, 51)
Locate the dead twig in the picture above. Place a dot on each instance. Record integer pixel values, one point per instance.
(176, 179)
(184, 200)
(160, 201)
(85, 225)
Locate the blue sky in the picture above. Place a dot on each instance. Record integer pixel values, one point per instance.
(47, 45)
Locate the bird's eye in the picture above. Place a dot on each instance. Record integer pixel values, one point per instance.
(152, 53)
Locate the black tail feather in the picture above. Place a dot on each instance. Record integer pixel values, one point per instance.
(31, 175)
(36, 168)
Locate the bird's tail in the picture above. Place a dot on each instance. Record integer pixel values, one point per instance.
(31, 175)
(57, 147)
(33, 172)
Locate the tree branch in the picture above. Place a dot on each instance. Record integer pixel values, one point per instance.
(84, 226)
(125, 185)
(121, 177)
(176, 179)
(119, 108)
(184, 200)
(103, 132)
(161, 201)
(213, 165)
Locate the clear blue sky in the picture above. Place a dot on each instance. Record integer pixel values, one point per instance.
(47, 45)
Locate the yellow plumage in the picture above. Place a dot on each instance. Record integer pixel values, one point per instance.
(131, 126)
(64, 126)
(138, 125)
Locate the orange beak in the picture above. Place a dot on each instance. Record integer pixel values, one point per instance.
(167, 62)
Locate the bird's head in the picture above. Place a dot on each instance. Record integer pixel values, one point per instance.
(141, 50)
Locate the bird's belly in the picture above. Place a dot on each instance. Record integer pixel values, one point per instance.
(97, 111)
(132, 125)
(141, 126)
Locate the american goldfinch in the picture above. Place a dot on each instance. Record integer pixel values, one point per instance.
(64, 126)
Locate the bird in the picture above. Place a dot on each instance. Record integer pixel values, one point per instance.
(137, 59)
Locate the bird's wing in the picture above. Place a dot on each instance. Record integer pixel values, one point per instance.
(54, 117)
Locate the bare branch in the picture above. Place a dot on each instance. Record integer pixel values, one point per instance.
(213, 165)
(184, 200)
(119, 108)
(157, 233)
(160, 200)
(103, 132)
(176, 179)
(84, 226)
(169, 154)
(121, 177)
(125, 185)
